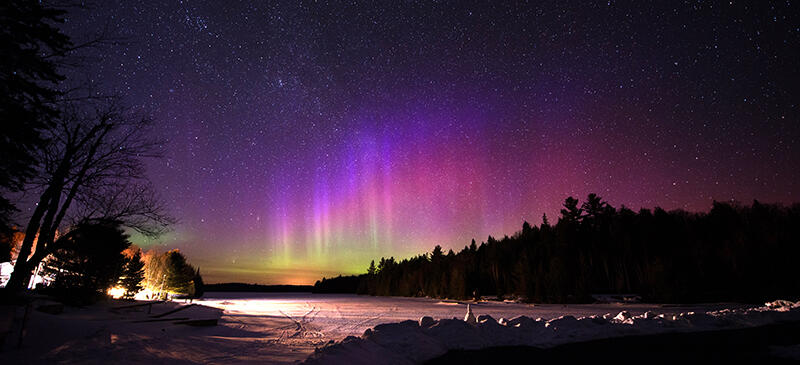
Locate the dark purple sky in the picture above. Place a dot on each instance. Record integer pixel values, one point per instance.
(306, 139)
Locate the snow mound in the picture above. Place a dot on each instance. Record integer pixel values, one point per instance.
(405, 338)
(622, 316)
(782, 305)
(456, 334)
(411, 342)
(355, 351)
(426, 321)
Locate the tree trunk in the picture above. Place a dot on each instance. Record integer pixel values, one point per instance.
(49, 199)
(49, 203)
(22, 271)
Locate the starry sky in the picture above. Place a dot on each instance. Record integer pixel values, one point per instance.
(306, 138)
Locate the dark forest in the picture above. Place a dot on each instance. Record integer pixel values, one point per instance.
(732, 253)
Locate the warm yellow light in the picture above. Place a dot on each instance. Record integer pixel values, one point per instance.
(116, 292)
(145, 294)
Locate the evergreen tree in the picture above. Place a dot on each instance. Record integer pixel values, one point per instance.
(732, 253)
(571, 213)
(132, 274)
(88, 260)
(593, 206)
(437, 254)
(28, 76)
(199, 286)
(526, 228)
(179, 273)
(29, 40)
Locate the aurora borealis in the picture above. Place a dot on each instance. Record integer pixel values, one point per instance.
(305, 139)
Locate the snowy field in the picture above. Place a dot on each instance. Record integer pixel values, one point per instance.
(288, 327)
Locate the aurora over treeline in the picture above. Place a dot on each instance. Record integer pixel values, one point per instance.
(303, 140)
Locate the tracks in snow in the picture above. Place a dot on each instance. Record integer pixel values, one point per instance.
(301, 329)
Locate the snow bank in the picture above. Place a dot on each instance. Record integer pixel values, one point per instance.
(411, 342)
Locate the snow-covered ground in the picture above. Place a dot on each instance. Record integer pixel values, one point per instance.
(288, 327)
(324, 317)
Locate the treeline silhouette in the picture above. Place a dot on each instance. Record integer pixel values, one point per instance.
(732, 253)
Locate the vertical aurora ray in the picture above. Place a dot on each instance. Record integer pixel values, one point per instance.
(320, 242)
(399, 191)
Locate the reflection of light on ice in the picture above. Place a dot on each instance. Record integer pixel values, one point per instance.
(274, 307)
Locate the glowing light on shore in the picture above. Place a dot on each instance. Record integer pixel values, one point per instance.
(116, 292)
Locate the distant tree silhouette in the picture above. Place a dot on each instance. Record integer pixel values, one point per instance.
(571, 212)
(198, 284)
(731, 253)
(526, 228)
(339, 284)
(594, 206)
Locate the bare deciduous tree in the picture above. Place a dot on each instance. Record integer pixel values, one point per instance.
(92, 170)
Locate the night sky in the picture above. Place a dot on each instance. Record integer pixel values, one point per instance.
(305, 139)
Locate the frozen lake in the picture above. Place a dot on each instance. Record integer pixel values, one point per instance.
(298, 322)
(347, 314)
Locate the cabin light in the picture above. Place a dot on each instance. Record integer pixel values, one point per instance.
(116, 292)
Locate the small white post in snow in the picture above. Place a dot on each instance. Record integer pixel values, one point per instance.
(470, 318)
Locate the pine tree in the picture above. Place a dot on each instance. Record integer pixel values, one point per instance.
(571, 213)
(199, 286)
(89, 260)
(28, 78)
(132, 275)
(179, 273)
(526, 228)
(28, 40)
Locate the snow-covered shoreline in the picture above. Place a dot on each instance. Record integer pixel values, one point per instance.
(411, 342)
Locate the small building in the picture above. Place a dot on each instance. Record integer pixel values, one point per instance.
(37, 279)
(6, 268)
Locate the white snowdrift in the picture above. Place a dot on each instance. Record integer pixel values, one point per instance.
(411, 342)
